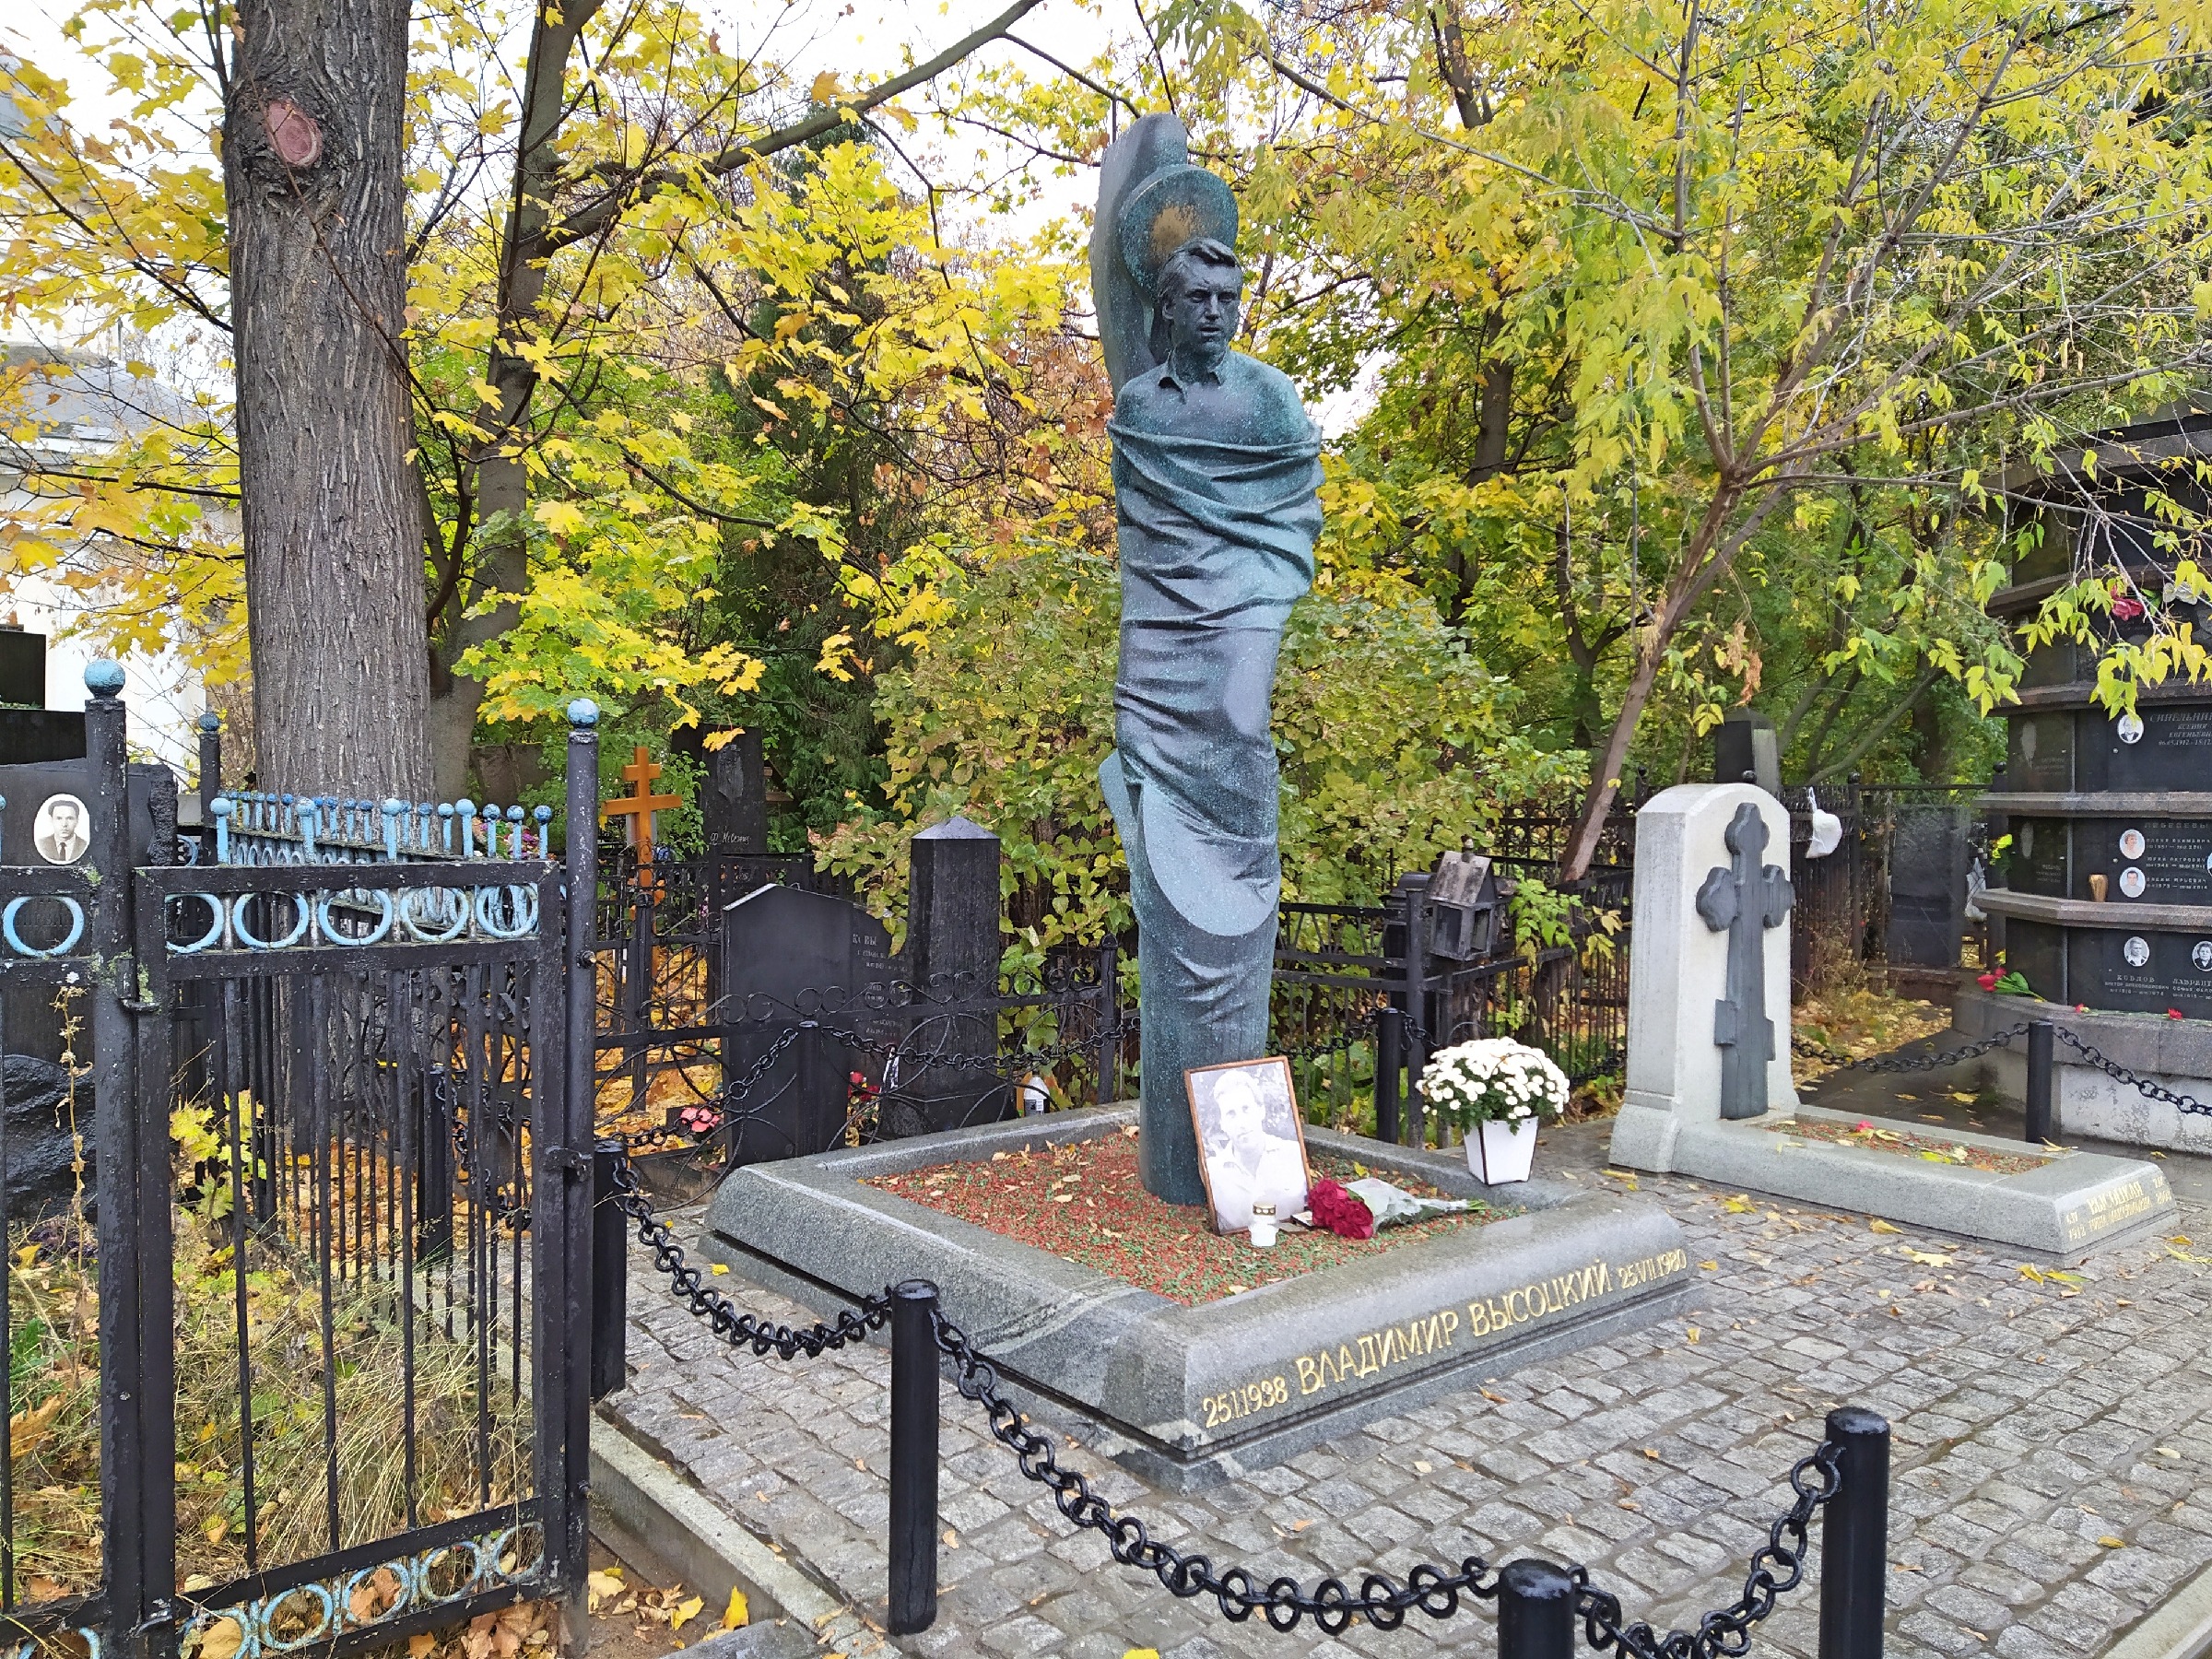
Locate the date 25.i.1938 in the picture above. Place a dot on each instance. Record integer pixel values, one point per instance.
(1242, 1401)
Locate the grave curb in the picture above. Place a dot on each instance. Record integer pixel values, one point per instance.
(2067, 1209)
(640, 1501)
(2180, 1628)
(1169, 1392)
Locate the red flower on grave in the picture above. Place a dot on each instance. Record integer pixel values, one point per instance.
(1988, 982)
(2127, 608)
(701, 1121)
(1340, 1211)
(2173, 1012)
(2081, 1008)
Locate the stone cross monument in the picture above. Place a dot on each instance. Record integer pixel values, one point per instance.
(1708, 968)
(1743, 898)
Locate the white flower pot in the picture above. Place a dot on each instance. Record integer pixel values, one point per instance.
(1501, 1152)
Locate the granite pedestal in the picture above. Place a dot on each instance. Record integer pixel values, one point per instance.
(2068, 1205)
(2086, 1101)
(1186, 1396)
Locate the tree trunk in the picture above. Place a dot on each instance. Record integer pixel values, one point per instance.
(312, 154)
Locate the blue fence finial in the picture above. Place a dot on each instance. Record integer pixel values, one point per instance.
(584, 712)
(211, 721)
(103, 677)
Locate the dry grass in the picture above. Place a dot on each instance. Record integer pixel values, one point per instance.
(55, 1437)
(1855, 1018)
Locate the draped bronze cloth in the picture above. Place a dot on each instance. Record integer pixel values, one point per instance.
(1217, 542)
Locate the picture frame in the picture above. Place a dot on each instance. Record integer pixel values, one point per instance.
(1254, 1151)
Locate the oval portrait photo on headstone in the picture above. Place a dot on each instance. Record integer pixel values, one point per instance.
(2137, 950)
(2131, 882)
(2201, 954)
(2131, 843)
(2131, 728)
(63, 830)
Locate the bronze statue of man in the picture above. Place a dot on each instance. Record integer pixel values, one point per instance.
(1215, 470)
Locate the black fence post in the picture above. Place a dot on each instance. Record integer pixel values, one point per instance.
(2041, 1043)
(211, 774)
(1416, 1007)
(1390, 1024)
(610, 1276)
(1110, 1017)
(1854, 1538)
(1536, 1611)
(435, 1176)
(913, 1458)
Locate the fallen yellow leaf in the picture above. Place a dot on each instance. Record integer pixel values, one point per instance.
(1709, 1267)
(1693, 1334)
(223, 1640)
(2030, 1271)
(1879, 1225)
(1142, 1653)
(720, 1268)
(737, 1612)
(2108, 1542)
(1928, 1258)
(685, 1611)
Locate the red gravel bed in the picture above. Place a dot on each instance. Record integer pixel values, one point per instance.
(1085, 1202)
(1906, 1143)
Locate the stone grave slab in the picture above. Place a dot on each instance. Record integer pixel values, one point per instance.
(1187, 1396)
(1690, 1007)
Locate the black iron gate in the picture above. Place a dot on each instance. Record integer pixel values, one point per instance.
(337, 1243)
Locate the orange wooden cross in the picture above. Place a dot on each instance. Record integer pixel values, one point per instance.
(639, 805)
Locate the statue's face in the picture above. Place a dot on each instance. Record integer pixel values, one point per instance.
(1201, 306)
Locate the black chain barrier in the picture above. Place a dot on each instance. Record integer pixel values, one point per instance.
(1895, 1063)
(2091, 1055)
(688, 1285)
(1382, 1599)
(1776, 1568)
(2119, 1074)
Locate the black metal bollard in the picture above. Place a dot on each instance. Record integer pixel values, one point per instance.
(2041, 1047)
(610, 1276)
(1388, 1030)
(1854, 1538)
(1536, 1611)
(913, 1458)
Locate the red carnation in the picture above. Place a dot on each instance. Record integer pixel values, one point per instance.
(1340, 1211)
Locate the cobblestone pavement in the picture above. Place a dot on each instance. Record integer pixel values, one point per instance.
(2052, 1443)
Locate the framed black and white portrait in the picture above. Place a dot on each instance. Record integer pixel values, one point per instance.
(63, 830)
(1251, 1144)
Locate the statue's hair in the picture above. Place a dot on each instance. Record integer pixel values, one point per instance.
(1205, 250)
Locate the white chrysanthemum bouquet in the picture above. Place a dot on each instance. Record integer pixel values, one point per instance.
(1494, 1080)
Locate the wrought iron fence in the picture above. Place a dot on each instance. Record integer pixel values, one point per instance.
(1362, 998)
(335, 1246)
(857, 1057)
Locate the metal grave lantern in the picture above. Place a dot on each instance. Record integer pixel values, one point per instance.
(1464, 902)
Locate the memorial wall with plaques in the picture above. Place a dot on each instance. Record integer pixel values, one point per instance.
(2106, 894)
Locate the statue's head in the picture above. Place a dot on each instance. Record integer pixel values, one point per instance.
(1201, 291)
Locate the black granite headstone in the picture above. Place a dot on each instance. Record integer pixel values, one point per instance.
(788, 955)
(951, 958)
(1744, 751)
(22, 668)
(733, 799)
